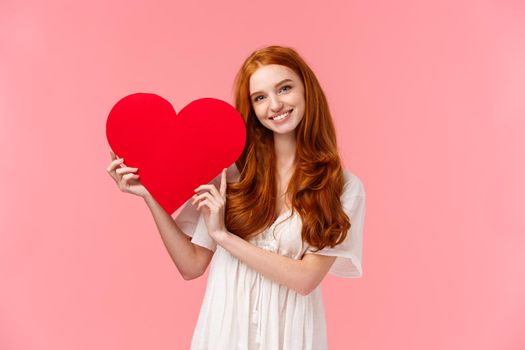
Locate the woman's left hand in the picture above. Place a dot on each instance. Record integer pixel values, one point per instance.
(213, 202)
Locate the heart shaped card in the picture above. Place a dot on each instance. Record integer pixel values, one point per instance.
(175, 153)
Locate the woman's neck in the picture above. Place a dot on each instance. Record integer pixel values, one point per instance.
(285, 147)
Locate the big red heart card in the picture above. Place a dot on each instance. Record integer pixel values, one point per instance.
(175, 153)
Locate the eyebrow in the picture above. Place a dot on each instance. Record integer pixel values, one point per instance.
(276, 85)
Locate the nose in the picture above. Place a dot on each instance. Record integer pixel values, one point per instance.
(275, 104)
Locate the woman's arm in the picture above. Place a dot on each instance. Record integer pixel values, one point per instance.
(303, 276)
(191, 260)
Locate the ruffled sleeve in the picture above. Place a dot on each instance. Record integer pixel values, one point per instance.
(191, 221)
(349, 252)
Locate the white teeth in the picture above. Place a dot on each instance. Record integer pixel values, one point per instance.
(281, 116)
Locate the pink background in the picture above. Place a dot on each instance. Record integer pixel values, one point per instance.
(428, 103)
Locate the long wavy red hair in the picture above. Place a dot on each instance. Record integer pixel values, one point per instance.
(317, 183)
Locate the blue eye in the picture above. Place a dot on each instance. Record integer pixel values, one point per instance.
(286, 86)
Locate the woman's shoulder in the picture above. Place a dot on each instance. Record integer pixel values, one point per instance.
(232, 176)
(232, 173)
(353, 184)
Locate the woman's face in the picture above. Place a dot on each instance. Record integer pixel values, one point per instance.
(276, 91)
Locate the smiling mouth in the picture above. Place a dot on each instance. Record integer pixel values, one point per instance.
(281, 115)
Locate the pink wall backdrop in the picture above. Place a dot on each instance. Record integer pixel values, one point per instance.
(428, 102)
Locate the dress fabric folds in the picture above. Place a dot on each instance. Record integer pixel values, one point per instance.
(244, 310)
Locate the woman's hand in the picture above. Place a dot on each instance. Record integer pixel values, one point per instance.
(124, 177)
(213, 202)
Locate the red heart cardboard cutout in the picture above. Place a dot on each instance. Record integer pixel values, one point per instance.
(175, 153)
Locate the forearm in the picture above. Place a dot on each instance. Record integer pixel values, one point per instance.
(180, 248)
(281, 269)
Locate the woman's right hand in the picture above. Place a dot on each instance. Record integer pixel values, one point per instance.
(124, 177)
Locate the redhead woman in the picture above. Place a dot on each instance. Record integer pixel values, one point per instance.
(272, 224)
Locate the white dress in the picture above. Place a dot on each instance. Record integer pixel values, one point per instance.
(244, 310)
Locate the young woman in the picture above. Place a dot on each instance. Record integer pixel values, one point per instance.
(275, 222)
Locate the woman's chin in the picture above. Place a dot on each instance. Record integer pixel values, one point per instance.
(282, 132)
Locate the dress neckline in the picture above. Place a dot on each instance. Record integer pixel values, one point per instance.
(284, 212)
(279, 216)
